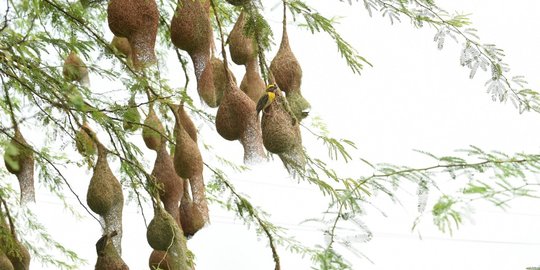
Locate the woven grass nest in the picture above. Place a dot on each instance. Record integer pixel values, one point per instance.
(187, 123)
(279, 129)
(74, 69)
(213, 82)
(175, 259)
(104, 191)
(191, 30)
(252, 83)
(136, 20)
(84, 143)
(169, 183)
(299, 105)
(19, 160)
(13, 254)
(121, 44)
(241, 47)
(193, 207)
(152, 130)
(20, 259)
(131, 117)
(236, 119)
(187, 156)
(108, 257)
(285, 68)
(5, 263)
(160, 233)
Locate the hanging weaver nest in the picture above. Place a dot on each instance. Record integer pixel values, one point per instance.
(213, 82)
(299, 105)
(19, 160)
(136, 20)
(187, 123)
(160, 232)
(241, 47)
(121, 45)
(193, 209)
(152, 130)
(16, 254)
(252, 83)
(131, 117)
(169, 183)
(187, 156)
(236, 119)
(278, 131)
(238, 2)
(285, 68)
(84, 143)
(104, 191)
(175, 258)
(108, 257)
(191, 30)
(74, 69)
(20, 257)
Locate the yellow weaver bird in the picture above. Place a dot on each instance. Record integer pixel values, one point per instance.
(267, 98)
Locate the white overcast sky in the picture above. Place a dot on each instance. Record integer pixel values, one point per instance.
(415, 97)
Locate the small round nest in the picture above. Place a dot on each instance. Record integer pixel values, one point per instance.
(74, 69)
(131, 117)
(138, 22)
(152, 130)
(121, 44)
(84, 143)
(241, 47)
(252, 83)
(160, 233)
(299, 105)
(285, 68)
(278, 132)
(104, 191)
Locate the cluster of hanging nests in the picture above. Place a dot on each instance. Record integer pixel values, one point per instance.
(176, 181)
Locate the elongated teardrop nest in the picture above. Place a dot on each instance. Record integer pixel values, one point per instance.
(193, 211)
(74, 69)
(213, 82)
(187, 123)
(131, 117)
(160, 233)
(241, 47)
(84, 143)
(285, 68)
(20, 257)
(278, 131)
(169, 183)
(19, 160)
(191, 30)
(236, 119)
(136, 20)
(187, 156)
(121, 44)
(238, 2)
(104, 191)
(176, 258)
(152, 130)
(108, 257)
(252, 83)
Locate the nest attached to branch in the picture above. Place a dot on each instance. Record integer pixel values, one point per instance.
(279, 128)
(236, 119)
(121, 44)
(74, 69)
(241, 47)
(285, 68)
(13, 254)
(170, 185)
(213, 82)
(299, 105)
(187, 156)
(131, 117)
(153, 130)
(136, 20)
(252, 83)
(19, 160)
(84, 143)
(108, 257)
(193, 207)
